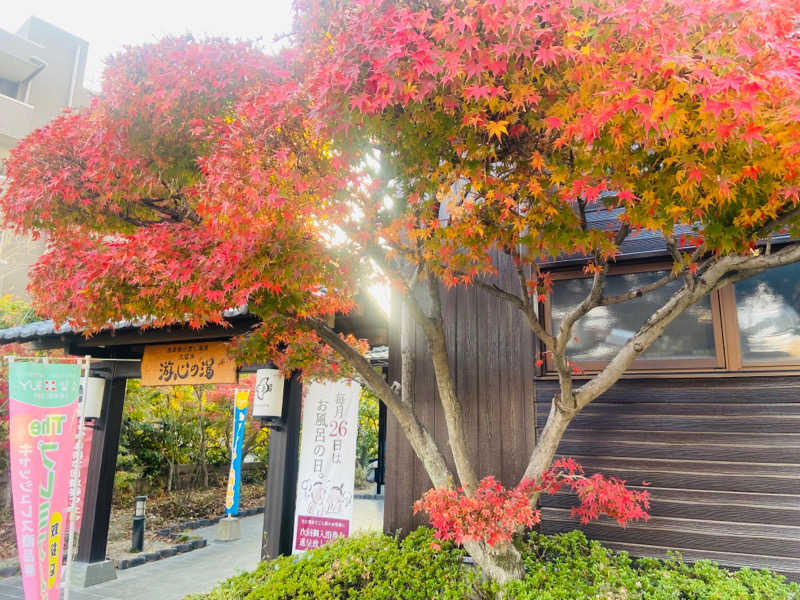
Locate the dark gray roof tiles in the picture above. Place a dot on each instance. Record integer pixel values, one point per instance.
(41, 329)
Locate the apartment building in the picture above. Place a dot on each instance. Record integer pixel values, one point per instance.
(41, 74)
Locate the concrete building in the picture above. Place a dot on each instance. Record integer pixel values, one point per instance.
(41, 73)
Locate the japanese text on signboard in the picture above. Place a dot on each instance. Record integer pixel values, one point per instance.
(178, 364)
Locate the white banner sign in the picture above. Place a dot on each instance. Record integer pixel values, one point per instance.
(324, 505)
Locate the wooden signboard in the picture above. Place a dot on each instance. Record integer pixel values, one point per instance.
(187, 364)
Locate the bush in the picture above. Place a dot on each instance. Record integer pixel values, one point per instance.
(368, 567)
(568, 567)
(560, 567)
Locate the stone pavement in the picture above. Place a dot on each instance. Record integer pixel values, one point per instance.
(196, 571)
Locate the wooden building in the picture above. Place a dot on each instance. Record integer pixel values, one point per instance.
(710, 416)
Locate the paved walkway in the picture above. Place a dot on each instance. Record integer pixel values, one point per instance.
(196, 571)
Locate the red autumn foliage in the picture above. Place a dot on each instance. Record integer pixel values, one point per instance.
(494, 514)
(208, 176)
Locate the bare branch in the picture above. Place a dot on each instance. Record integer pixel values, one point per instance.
(723, 271)
(417, 434)
(640, 291)
(529, 312)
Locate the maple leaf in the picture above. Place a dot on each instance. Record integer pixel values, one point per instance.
(496, 128)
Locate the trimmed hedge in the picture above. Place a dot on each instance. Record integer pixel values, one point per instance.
(561, 567)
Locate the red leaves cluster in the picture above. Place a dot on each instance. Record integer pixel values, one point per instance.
(598, 495)
(208, 175)
(191, 185)
(493, 514)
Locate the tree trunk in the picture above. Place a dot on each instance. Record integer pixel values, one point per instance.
(6, 503)
(170, 475)
(501, 562)
(203, 457)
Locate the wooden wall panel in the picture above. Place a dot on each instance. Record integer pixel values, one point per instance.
(492, 354)
(722, 456)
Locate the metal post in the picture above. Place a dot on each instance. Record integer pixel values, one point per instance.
(137, 535)
(380, 472)
(281, 485)
(100, 481)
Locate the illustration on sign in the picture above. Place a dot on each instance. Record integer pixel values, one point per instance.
(268, 401)
(179, 364)
(43, 421)
(327, 463)
(241, 400)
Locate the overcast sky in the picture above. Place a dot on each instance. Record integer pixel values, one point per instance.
(108, 25)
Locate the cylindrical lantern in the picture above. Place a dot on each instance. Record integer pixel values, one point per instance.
(268, 402)
(94, 397)
(139, 503)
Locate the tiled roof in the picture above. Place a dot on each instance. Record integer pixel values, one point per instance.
(41, 329)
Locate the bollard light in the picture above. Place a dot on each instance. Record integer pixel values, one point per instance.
(139, 503)
(137, 535)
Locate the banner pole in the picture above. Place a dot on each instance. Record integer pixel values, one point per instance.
(76, 474)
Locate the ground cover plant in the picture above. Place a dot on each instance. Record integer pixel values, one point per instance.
(413, 143)
(560, 567)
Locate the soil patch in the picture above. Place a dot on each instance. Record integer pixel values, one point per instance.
(165, 510)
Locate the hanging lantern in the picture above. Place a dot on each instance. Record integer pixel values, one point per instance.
(94, 397)
(268, 402)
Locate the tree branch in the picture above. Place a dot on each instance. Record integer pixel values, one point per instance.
(724, 271)
(445, 384)
(518, 302)
(418, 436)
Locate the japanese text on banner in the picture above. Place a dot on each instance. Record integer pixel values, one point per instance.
(327, 463)
(43, 408)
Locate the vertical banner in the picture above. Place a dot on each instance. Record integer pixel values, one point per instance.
(327, 464)
(88, 433)
(43, 416)
(241, 399)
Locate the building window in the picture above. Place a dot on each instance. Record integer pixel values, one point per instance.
(9, 88)
(767, 315)
(689, 342)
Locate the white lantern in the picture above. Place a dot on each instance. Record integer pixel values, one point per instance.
(268, 403)
(94, 397)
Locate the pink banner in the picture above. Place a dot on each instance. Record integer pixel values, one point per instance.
(43, 425)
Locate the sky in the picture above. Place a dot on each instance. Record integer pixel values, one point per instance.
(109, 25)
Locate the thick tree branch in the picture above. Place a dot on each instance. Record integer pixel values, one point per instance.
(725, 270)
(418, 436)
(679, 262)
(445, 384)
(719, 273)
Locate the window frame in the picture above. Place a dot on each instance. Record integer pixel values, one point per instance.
(735, 359)
(719, 363)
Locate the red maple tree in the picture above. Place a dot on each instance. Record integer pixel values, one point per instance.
(410, 142)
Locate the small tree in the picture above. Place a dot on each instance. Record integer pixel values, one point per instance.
(411, 142)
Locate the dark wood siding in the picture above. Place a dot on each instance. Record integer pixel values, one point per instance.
(722, 456)
(492, 355)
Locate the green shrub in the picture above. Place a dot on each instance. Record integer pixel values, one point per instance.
(569, 567)
(369, 567)
(560, 567)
